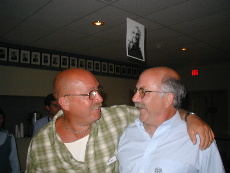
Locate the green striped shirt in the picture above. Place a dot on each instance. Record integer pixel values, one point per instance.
(47, 152)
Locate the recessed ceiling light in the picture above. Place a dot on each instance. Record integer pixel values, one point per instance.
(98, 23)
(183, 49)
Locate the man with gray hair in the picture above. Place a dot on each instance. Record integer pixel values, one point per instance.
(158, 140)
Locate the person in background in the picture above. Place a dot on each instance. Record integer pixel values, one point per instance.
(83, 137)
(52, 108)
(9, 156)
(158, 140)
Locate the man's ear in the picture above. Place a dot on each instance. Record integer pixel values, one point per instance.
(169, 99)
(63, 101)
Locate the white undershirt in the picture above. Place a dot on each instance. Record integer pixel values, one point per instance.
(77, 148)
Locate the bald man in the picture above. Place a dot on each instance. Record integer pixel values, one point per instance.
(83, 137)
(158, 142)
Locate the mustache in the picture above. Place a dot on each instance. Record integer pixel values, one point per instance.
(96, 105)
(140, 106)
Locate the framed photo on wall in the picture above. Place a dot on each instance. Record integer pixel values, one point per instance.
(97, 66)
(123, 70)
(73, 62)
(55, 60)
(111, 68)
(134, 71)
(81, 63)
(64, 62)
(25, 56)
(46, 59)
(117, 69)
(104, 67)
(89, 65)
(129, 71)
(13, 55)
(3, 54)
(36, 58)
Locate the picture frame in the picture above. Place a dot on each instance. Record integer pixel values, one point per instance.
(89, 65)
(123, 70)
(97, 66)
(64, 62)
(73, 62)
(81, 63)
(13, 55)
(117, 69)
(36, 58)
(111, 68)
(129, 71)
(25, 56)
(135, 71)
(104, 67)
(55, 60)
(3, 54)
(45, 59)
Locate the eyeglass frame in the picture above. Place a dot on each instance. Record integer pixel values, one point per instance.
(93, 93)
(135, 91)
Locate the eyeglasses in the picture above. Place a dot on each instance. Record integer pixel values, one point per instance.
(92, 94)
(142, 92)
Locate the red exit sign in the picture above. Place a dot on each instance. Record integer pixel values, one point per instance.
(195, 72)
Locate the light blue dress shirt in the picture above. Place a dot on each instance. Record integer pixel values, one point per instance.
(169, 150)
(41, 123)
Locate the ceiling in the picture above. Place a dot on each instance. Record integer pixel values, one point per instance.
(202, 26)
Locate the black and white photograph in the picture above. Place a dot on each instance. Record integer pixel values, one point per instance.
(36, 58)
(111, 68)
(135, 40)
(117, 69)
(64, 62)
(3, 54)
(45, 59)
(73, 62)
(89, 65)
(129, 71)
(25, 56)
(55, 60)
(82, 63)
(134, 71)
(104, 67)
(13, 55)
(123, 70)
(97, 67)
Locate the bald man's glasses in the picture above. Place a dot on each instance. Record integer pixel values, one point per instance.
(92, 94)
(142, 92)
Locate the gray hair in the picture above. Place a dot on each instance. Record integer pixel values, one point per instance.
(175, 86)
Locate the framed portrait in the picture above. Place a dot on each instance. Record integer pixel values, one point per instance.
(25, 56)
(46, 59)
(3, 54)
(117, 69)
(104, 67)
(81, 63)
(13, 55)
(97, 66)
(36, 58)
(55, 60)
(111, 68)
(73, 62)
(89, 65)
(123, 70)
(135, 40)
(134, 71)
(64, 62)
(129, 71)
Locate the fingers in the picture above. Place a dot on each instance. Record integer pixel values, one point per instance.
(192, 136)
(207, 138)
